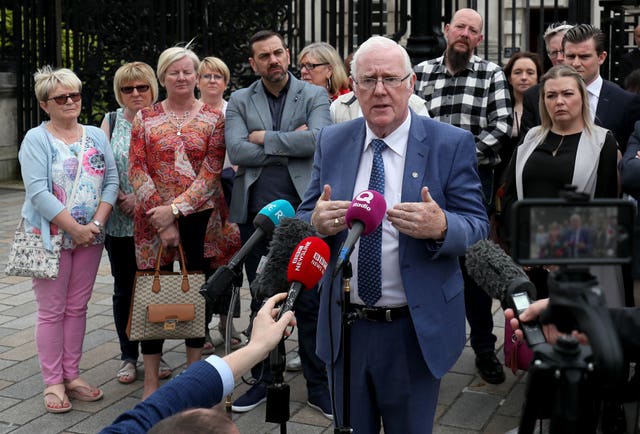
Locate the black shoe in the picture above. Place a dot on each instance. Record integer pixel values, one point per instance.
(490, 368)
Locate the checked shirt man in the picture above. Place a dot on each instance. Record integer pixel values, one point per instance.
(464, 90)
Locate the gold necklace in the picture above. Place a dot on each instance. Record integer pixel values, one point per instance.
(555, 151)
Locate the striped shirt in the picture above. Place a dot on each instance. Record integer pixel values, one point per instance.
(476, 99)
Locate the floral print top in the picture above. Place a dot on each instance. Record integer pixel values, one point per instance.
(120, 224)
(185, 169)
(86, 199)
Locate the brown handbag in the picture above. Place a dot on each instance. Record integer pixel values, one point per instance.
(167, 305)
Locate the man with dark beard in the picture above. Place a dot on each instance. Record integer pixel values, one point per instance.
(471, 93)
(270, 132)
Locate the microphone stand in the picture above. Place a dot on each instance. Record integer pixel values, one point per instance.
(278, 392)
(348, 318)
(228, 329)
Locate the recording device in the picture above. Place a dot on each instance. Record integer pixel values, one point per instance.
(494, 271)
(307, 265)
(265, 222)
(364, 215)
(572, 232)
(272, 279)
(567, 379)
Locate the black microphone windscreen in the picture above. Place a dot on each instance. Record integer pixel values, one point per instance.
(273, 277)
(491, 268)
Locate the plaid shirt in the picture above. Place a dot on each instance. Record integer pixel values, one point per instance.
(476, 99)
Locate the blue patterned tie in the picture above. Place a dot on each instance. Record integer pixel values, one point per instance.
(370, 251)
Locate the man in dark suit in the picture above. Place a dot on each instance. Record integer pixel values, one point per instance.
(631, 60)
(611, 107)
(407, 288)
(270, 132)
(530, 106)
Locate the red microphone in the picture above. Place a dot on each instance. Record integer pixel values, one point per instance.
(307, 265)
(363, 217)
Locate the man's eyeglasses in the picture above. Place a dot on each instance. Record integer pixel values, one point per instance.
(554, 54)
(62, 99)
(311, 66)
(388, 82)
(212, 77)
(141, 88)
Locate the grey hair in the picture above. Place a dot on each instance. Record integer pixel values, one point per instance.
(379, 42)
(556, 28)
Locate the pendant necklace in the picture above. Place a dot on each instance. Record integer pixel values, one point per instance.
(555, 151)
(179, 121)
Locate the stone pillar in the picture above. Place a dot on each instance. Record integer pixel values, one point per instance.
(8, 127)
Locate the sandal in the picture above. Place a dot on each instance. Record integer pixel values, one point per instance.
(82, 391)
(164, 371)
(208, 347)
(127, 373)
(61, 403)
(236, 337)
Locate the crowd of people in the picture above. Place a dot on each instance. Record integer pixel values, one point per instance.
(451, 144)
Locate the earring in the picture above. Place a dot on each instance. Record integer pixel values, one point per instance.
(329, 83)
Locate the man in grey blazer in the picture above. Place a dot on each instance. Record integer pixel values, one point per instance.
(271, 128)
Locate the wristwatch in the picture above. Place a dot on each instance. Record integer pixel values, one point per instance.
(175, 211)
(97, 223)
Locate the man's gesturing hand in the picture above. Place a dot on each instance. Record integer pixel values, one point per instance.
(423, 220)
(328, 215)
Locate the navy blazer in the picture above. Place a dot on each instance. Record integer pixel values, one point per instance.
(629, 166)
(443, 158)
(617, 111)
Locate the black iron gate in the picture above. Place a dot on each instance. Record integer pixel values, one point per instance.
(94, 37)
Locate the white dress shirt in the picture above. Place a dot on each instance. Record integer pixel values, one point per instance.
(393, 294)
(593, 90)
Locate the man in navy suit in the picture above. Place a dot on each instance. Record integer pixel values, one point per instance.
(611, 107)
(413, 332)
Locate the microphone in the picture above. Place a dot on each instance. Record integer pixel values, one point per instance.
(265, 222)
(495, 272)
(307, 265)
(363, 217)
(272, 279)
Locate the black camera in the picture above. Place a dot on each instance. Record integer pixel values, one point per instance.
(570, 235)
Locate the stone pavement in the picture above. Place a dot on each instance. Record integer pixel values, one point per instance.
(467, 404)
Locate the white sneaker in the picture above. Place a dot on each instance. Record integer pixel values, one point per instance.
(294, 364)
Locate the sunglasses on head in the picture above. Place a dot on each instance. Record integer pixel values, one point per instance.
(62, 99)
(142, 88)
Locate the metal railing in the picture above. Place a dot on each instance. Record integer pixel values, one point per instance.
(94, 37)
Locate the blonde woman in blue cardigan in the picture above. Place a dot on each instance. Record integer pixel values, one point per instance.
(71, 184)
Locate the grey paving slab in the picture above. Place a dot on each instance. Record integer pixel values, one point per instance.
(95, 422)
(51, 423)
(24, 389)
(20, 371)
(472, 410)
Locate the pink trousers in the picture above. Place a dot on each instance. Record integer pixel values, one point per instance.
(62, 313)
